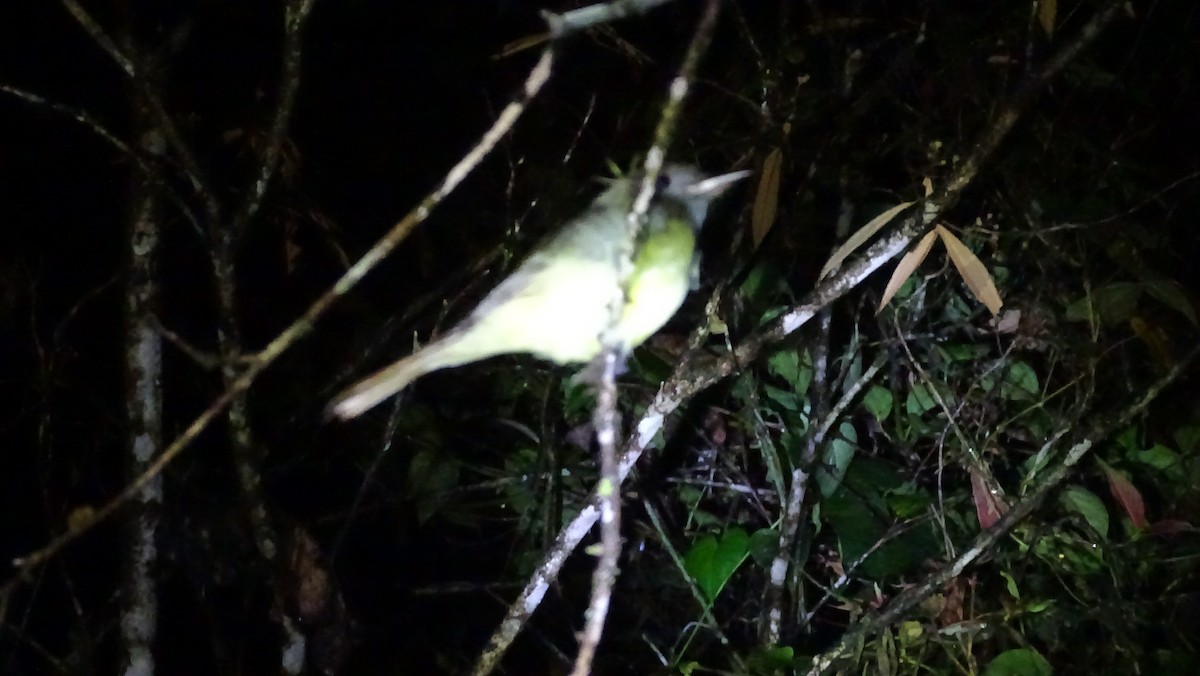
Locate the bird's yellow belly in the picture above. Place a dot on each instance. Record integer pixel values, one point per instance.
(559, 317)
(654, 296)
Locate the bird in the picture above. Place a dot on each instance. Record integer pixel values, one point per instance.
(556, 304)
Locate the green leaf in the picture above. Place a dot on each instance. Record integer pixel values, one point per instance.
(1113, 303)
(857, 515)
(1085, 503)
(703, 519)
(578, 399)
(431, 476)
(1019, 662)
(784, 398)
(1020, 381)
(770, 660)
(1187, 438)
(918, 400)
(1011, 585)
(1038, 606)
(793, 367)
(1157, 456)
(907, 504)
(836, 460)
(764, 544)
(712, 562)
(763, 284)
(785, 364)
(960, 352)
(1172, 295)
(878, 401)
(1128, 439)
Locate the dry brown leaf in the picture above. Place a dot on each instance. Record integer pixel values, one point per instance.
(859, 238)
(521, 44)
(905, 268)
(973, 272)
(1047, 12)
(766, 199)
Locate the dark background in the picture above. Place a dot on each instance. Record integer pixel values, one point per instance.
(392, 94)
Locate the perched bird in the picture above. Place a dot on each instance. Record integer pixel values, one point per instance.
(556, 304)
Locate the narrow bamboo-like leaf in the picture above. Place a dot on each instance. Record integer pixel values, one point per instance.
(860, 237)
(1173, 295)
(972, 270)
(766, 199)
(1047, 13)
(1111, 304)
(521, 44)
(835, 460)
(905, 268)
(1171, 527)
(1127, 494)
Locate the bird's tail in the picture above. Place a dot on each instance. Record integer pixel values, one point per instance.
(366, 393)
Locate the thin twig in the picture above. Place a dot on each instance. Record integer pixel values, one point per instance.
(299, 328)
(143, 160)
(163, 121)
(606, 418)
(295, 15)
(682, 385)
(1103, 426)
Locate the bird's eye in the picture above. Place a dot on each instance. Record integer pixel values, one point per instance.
(662, 183)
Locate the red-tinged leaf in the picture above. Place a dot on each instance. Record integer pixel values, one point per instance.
(988, 506)
(1127, 494)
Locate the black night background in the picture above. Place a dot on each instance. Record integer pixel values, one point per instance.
(180, 182)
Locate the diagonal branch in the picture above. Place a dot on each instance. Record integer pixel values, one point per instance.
(163, 120)
(1102, 426)
(533, 84)
(681, 386)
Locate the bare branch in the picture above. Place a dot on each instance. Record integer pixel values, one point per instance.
(1102, 427)
(681, 386)
(564, 24)
(163, 121)
(299, 328)
(268, 161)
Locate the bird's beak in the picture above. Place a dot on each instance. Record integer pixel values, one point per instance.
(711, 187)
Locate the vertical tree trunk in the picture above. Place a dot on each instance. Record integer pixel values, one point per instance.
(143, 397)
